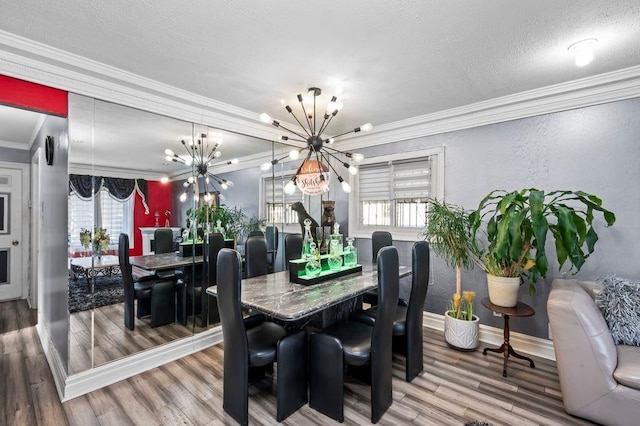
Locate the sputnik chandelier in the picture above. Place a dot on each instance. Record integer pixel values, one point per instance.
(201, 152)
(312, 176)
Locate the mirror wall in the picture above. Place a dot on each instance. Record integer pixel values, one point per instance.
(112, 146)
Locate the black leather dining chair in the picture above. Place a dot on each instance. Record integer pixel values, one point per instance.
(379, 239)
(156, 297)
(292, 248)
(365, 350)
(255, 254)
(249, 351)
(407, 323)
(163, 240)
(197, 292)
(272, 236)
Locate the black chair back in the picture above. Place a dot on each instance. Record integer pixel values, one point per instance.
(414, 319)
(380, 239)
(127, 279)
(163, 240)
(272, 236)
(229, 275)
(255, 251)
(214, 245)
(255, 233)
(381, 340)
(292, 248)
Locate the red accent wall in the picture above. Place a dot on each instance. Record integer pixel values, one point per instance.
(159, 199)
(32, 96)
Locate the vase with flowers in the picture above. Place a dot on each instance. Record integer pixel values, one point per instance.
(448, 232)
(99, 242)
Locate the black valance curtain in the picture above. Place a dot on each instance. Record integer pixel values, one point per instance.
(86, 185)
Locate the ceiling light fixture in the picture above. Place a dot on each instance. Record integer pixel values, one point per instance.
(312, 176)
(583, 50)
(200, 154)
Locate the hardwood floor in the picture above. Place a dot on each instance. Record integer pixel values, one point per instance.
(454, 388)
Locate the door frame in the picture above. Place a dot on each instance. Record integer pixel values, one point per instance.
(34, 228)
(24, 222)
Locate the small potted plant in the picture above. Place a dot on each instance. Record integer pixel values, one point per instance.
(448, 232)
(517, 226)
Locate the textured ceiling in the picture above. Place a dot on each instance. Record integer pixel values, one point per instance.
(395, 59)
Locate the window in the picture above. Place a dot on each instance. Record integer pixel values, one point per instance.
(392, 191)
(114, 215)
(277, 204)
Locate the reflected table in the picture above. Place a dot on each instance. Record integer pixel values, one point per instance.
(275, 296)
(169, 261)
(91, 267)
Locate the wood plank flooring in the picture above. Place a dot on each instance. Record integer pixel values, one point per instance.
(455, 387)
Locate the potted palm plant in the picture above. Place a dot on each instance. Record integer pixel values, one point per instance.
(448, 232)
(517, 226)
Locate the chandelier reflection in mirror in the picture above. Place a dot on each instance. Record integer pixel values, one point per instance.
(312, 176)
(200, 155)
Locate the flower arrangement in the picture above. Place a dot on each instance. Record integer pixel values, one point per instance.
(100, 241)
(461, 307)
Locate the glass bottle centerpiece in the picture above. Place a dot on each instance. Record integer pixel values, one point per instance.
(314, 265)
(307, 240)
(335, 249)
(350, 254)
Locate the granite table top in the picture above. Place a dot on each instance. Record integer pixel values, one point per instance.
(275, 296)
(105, 261)
(157, 262)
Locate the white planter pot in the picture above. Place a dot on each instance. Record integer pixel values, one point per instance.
(503, 291)
(461, 334)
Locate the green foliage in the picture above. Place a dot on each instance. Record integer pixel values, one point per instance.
(448, 232)
(233, 219)
(518, 224)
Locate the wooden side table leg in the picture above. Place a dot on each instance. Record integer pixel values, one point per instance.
(517, 355)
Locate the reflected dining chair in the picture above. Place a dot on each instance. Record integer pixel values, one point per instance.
(292, 248)
(255, 252)
(203, 304)
(250, 351)
(365, 349)
(271, 234)
(156, 297)
(163, 240)
(407, 323)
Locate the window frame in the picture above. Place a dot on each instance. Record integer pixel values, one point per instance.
(285, 175)
(399, 233)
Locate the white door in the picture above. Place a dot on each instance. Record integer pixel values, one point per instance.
(11, 243)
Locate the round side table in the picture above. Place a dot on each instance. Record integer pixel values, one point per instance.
(520, 310)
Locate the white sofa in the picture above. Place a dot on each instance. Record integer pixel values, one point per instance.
(600, 381)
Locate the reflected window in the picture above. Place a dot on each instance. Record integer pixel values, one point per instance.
(277, 203)
(116, 216)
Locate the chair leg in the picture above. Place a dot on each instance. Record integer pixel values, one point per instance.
(129, 308)
(235, 394)
(381, 378)
(291, 388)
(326, 384)
(144, 307)
(163, 303)
(414, 360)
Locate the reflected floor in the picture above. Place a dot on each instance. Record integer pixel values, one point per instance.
(99, 336)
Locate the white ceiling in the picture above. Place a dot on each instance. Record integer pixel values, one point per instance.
(395, 59)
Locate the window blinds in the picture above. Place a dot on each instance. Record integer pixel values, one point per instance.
(398, 180)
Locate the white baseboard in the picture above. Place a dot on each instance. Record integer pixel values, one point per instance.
(58, 369)
(75, 385)
(531, 345)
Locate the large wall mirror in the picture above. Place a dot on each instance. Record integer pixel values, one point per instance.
(117, 160)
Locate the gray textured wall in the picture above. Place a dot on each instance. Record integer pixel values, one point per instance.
(593, 149)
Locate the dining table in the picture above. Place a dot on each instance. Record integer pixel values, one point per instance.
(326, 302)
(159, 263)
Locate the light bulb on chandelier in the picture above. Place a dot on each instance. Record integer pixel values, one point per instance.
(312, 176)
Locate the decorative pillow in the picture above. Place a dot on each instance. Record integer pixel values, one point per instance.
(619, 302)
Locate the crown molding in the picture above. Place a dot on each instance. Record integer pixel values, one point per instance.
(43, 64)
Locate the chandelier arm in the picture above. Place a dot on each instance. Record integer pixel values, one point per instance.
(314, 115)
(346, 153)
(345, 133)
(291, 131)
(305, 160)
(183, 173)
(300, 123)
(304, 111)
(334, 170)
(325, 123)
